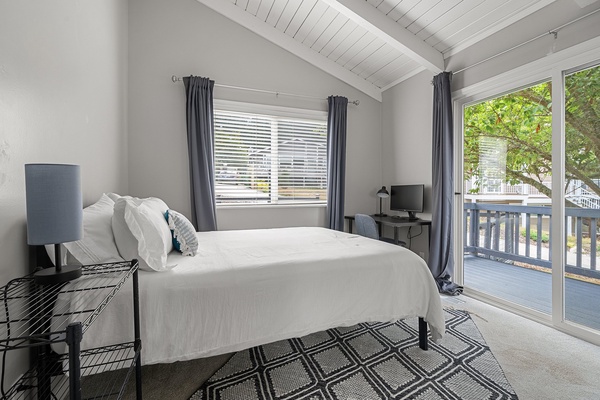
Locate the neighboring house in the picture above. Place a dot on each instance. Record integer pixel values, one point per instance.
(498, 191)
(298, 157)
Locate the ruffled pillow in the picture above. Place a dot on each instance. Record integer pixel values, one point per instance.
(183, 233)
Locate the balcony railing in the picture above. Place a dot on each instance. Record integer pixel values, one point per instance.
(504, 233)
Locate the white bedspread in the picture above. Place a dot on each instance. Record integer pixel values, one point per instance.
(246, 288)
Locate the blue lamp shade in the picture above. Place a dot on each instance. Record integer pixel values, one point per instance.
(54, 203)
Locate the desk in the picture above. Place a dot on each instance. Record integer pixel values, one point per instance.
(396, 223)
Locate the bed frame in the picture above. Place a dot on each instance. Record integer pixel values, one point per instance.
(423, 342)
(39, 259)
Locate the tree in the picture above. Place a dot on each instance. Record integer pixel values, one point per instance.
(521, 123)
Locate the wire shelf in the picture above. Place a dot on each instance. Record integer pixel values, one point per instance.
(115, 364)
(35, 315)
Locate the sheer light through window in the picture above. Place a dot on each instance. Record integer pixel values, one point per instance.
(264, 159)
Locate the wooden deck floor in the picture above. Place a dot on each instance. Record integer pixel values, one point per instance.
(531, 288)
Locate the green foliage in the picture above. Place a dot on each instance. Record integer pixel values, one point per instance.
(521, 123)
(262, 186)
(571, 242)
(533, 235)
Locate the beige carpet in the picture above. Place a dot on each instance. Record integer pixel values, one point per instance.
(540, 362)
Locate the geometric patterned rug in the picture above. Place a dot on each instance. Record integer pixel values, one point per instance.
(365, 361)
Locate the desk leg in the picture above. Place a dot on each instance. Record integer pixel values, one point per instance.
(428, 242)
(429, 234)
(396, 235)
(423, 334)
(349, 226)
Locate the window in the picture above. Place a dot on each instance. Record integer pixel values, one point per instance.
(269, 158)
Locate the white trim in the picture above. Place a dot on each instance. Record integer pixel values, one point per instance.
(497, 27)
(558, 198)
(535, 71)
(374, 21)
(458, 200)
(269, 110)
(515, 308)
(278, 206)
(249, 21)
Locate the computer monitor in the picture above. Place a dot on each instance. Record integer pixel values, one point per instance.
(407, 198)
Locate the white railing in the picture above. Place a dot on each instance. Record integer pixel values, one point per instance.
(584, 198)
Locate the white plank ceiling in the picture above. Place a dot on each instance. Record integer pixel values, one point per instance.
(375, 44)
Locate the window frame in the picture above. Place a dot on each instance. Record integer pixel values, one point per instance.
(270, 111)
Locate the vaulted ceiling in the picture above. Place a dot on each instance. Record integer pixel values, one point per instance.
(375, 44)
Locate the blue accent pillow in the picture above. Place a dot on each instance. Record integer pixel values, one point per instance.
(183, 233)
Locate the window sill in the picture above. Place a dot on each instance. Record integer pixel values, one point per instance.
(308, 205)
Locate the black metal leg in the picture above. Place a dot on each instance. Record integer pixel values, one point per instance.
(44, 378)
(74, 337)
(423, 334)
(136, 328)
(47, 365)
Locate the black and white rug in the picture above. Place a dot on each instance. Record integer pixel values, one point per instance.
(366, 361)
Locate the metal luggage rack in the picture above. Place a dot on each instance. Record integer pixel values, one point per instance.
(35, 316)
(115, 363)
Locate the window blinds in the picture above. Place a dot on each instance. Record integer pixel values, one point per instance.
(261, 159)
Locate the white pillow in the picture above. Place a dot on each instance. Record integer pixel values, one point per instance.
(98, 242)
(142, 232)
(113, 196)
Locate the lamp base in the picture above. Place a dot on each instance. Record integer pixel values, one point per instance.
(51, 276)
(380, 215)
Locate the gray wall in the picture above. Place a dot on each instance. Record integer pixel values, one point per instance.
(62, 99)
(183, 37)
(407, 119)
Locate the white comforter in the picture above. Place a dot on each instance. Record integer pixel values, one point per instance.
(246, 288)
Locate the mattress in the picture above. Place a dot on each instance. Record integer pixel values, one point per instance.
(250, 287)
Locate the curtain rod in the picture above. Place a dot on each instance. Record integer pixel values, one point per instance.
(178, 79)
(550, 32)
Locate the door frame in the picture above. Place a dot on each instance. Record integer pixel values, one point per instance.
(552, 67)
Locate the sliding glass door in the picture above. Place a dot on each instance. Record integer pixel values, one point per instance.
(582, 196)
(507, 193)
(528, 203)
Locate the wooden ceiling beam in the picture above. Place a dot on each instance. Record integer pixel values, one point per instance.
(371, 19)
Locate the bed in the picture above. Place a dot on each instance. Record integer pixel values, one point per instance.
(250, 287)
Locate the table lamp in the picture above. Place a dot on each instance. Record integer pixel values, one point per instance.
(54, 214)
(382, 194)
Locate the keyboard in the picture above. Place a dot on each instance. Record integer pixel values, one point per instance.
(404, 219)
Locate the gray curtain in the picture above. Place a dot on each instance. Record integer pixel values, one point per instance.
(441, 258)
(336, 161)
(200, 137)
